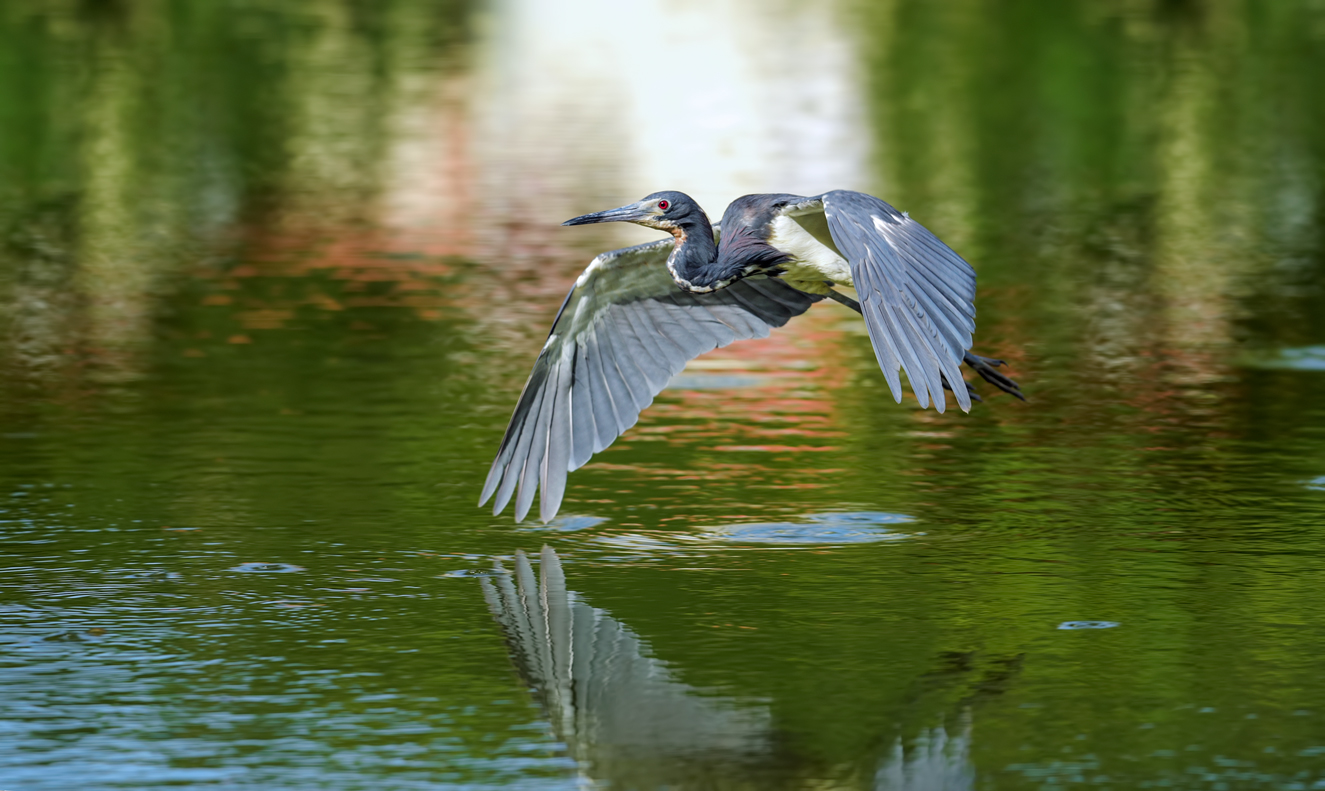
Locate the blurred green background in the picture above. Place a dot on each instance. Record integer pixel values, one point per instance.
(273, 273)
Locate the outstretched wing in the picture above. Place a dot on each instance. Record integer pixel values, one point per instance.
(915, 292)
(623, 332)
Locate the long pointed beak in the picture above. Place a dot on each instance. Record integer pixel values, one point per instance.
(632, 213)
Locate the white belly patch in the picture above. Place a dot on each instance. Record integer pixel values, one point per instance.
(812, 261)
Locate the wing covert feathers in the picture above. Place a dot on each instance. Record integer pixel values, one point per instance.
(623, 332)
(915, 293)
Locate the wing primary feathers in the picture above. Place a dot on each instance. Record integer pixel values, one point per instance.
(621, 400)
(673, 352)
(943, 276)
(945, 301)
(723, 333)
(494, 478)
(951, 341)
(510, 440)
(584, 425)
(717, 333)
(530, 393)
(617, 345)
(885, 350)
(923, 343)
(927, 356)
(915, 293)
(604, 414)
(533, 462)
(685, 334)
(963, 273)
(954, 339)
(519, 453)
(910, 360)
(556, 459)
(641, 352)
(643, 332)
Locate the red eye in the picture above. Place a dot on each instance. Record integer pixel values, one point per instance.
(662, 204)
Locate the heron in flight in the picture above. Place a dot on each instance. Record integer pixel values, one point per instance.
(636, 316)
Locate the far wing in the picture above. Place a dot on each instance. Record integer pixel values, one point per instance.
(623, 332)
(915, 292)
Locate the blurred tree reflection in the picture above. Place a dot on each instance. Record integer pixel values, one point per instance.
(140, 136)
(1145, 161)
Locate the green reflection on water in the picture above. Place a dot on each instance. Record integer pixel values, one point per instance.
(223, 349)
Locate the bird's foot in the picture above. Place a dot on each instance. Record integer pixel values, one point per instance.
(985, 367)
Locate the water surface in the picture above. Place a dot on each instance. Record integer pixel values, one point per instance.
(273, 273)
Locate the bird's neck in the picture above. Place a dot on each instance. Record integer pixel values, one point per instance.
(695, 253)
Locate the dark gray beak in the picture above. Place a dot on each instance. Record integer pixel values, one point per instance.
(632, 213)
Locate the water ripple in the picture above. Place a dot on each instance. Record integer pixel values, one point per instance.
(1304, 358)
(861, 527)
(266, 568)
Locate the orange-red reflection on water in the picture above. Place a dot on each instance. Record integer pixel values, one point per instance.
(326, 271)
(783, 406)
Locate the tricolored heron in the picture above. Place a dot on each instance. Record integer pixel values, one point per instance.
(636, 316)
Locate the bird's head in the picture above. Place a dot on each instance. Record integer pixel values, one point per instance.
(671, 211)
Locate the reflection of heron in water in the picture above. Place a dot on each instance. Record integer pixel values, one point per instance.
(618, 709)
(936, 762)
(636, 316)
(629, 723)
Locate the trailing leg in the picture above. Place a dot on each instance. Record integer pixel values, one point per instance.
(985, 367)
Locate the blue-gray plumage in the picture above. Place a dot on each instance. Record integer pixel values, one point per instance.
(636, 316)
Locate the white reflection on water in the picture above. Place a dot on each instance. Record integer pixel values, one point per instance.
(860, 527)
(567, 523)
(936, 762)
(812, 531)
(266, 568)
(1088, 624)
(628, 722)
(598, 102)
